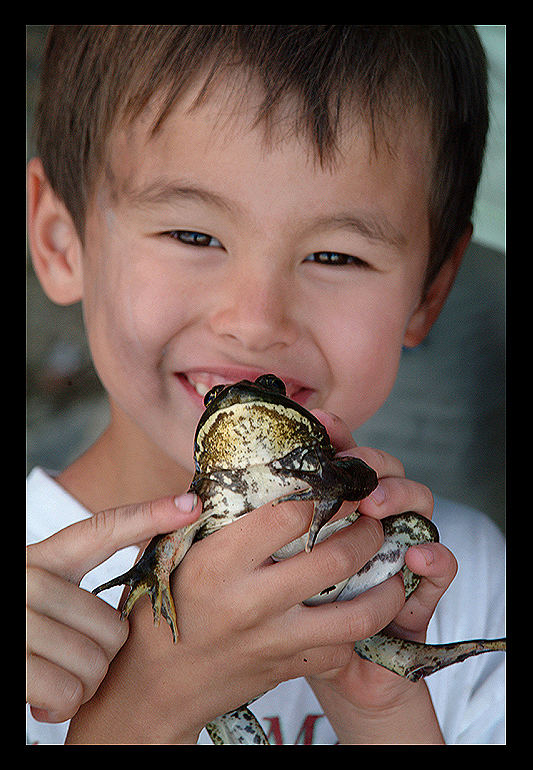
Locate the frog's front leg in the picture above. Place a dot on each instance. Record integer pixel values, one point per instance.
(151, 574)
(330, 481)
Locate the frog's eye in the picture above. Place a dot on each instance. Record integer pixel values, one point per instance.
(271, 382)
(213, 393)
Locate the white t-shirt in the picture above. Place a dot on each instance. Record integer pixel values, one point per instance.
(469, 698)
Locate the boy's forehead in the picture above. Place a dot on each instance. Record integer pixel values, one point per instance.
(136, 151)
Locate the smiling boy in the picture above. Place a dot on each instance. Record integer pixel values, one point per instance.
(249, 200)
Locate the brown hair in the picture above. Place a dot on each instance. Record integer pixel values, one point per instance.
(96, 76)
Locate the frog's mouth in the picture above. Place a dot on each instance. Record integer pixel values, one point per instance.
(202, 382)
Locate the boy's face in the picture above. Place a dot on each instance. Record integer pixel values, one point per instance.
(218, 257)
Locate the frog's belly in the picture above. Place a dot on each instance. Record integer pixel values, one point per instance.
(231, 496)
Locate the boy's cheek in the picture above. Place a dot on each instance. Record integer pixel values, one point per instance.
(364, 387)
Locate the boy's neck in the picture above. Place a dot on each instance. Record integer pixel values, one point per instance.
(115, 471)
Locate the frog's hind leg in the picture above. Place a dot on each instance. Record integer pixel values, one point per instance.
(237, 728)
(414, 660)
(150, 575)
(143, 579)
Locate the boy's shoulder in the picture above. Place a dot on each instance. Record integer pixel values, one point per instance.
(49, 507)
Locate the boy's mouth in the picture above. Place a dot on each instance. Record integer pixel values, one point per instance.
(202, 381)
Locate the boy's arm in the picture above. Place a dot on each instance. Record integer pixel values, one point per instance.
(410, 721)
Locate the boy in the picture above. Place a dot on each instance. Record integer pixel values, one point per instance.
(228, 201)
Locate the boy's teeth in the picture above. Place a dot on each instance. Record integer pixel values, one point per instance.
(207, 381)
(204, 384)
(200, 388)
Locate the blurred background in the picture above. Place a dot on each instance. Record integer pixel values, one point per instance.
(445, 418)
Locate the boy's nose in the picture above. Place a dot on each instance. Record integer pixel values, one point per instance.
(255, 311)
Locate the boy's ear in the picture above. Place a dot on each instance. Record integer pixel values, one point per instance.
(433, 300)
(54, 243)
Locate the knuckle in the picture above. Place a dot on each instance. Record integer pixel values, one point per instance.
(379, 458)
(40, 556)
(118, 632)
(374, 536)
(361, 624)
(103, 523)
(292, 517)
(367, 624)
(67, 696)
(37, 582)
(150, 512)
(419, 497)
(96, 662)
(249, 614)
(340, 560)
(122, 630)
(383, 463)
(340, 655)
(430, 500)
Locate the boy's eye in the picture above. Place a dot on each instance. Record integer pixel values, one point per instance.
(192, 238)
(335, 258)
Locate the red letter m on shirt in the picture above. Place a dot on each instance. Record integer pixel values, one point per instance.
(305, 735)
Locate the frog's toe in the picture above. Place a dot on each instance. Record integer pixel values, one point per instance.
(324, 510)
(143, 580)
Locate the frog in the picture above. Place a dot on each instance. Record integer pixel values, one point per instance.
(254, 445)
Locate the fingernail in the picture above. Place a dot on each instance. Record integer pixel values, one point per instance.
(378, 495)
(427, 553)
(186, 503)
(43, 715)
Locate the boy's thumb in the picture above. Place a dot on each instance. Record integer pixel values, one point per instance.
(75, 550)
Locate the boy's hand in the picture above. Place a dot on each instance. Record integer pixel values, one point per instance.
(72, 635)
(243, 628)
(370, 689)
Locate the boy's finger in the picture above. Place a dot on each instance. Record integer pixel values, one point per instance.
(75, 550)
(296, 579)
(65, 647)
(247, 542)
(382, 462)
(358, 618)
(437, 566)
(338, 431)
(394, 495)
(54, 693)
(62, 601)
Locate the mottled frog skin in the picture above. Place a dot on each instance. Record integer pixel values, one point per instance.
(254, 445)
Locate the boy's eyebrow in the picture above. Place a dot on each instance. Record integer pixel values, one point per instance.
(374, 228)
(163, 192)
(366, 224)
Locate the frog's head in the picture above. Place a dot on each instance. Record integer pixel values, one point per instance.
(253, 422)
(245, 390)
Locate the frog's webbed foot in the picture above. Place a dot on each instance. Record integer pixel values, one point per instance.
(414, 660)
(237, 728)
(150, 575)
(330, 484)
(344, 478)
